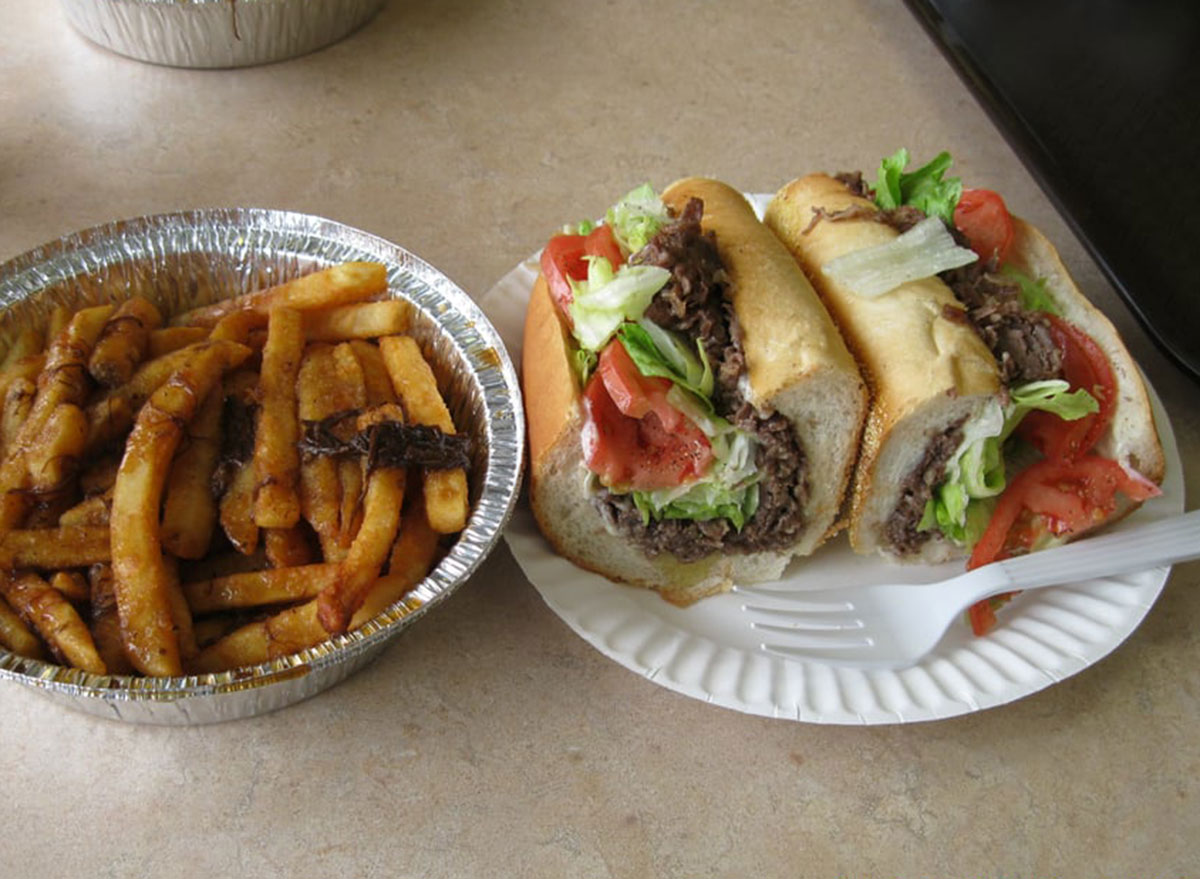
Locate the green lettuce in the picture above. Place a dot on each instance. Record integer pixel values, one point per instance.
(924, 188)
(637, 217)
(1033, 292)
(608, 298)
(659, 352)
(975, 473)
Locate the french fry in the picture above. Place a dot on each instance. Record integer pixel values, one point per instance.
(412, 558)
(15, 636)
(164, 340)
(52, 461)
(99, 474)
(64, 380)
(59, 318)
(240, 326)
(181, 614)
(363, 320)
(105, 624)
(258, 588)
(54, 618)
(90, 511)
(446, 500)
(17, 403)
(72, 585)
(362, 564)
(213, 628)
(318, 397)
(189, 509)
(143, 580)
(337, 285)
(276, 456)
(123, 342)
(49, 549)
(287, 547)
(288, 631)
(236, 511)
(350, 469)
(375, 375)
(27, 343)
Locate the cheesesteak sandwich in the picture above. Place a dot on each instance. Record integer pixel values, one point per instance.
(693, 411)
(1006, 413)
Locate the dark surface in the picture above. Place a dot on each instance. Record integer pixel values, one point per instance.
(1101, 100)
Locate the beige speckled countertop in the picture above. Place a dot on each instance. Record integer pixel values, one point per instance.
(489, 740)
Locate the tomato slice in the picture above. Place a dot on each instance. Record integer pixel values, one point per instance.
(982, 216)
(1085, 366)
(635, 439)
(563, 261)
(1056, 496)
(602, 242)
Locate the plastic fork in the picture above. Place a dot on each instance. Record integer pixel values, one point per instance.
(894, 625)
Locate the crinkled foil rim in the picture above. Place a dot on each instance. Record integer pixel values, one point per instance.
(193, 257)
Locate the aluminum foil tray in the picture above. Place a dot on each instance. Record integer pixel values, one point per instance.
(216, 33)
(184, 259)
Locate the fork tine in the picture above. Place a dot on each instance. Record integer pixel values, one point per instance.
(810, 624)
(812, 644)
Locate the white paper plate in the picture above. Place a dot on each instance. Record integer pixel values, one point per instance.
(709, 652)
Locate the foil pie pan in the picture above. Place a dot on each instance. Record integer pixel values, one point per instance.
(191, 258)
(216, 33)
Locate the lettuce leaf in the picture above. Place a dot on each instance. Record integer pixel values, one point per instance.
(1033, 292)
(924, 188)
(658, 352)
(637, 217)
(607, 299)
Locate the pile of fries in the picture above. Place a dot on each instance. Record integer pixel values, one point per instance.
(231, 486)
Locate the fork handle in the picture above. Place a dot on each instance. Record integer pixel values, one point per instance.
(1165, 542)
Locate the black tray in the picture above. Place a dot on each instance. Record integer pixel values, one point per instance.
(1101, 100)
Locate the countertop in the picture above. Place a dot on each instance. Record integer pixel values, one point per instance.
(489, 740)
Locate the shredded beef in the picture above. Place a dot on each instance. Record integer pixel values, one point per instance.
(916, 490)
(1018, 337)
(696, 303)
(853, 180)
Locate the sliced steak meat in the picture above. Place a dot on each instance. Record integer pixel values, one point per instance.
(1018, 337)
(901, 528)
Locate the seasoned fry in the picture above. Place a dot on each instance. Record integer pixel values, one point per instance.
(318, 397)
(363, 320)
(337, 285)
(412, 558)
(259, 588)
(72, 585)
(52, 462)
(55, 619)
(362, 564)
(64, 380)
(105, 623)
(14, 634)
(181, 614)
(375, 375)
(18, 401)
(27, 343)
(240, 326)
(190, 510)
(49, 549)
(353, 396)
(90, 511)
(237, 511)
(287, 547)
(446, 498)
(143, 582)
(123, 342)
(286, 632)
(59, 318)
(222, 565)
(164, 340)
(276, 455)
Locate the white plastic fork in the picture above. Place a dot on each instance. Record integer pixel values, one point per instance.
(894, 625)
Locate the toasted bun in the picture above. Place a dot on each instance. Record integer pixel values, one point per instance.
(797, 365)
(926, 367)
(927, 371)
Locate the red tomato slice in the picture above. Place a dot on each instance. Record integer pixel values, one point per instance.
(982, 216)
(658, 448)
(1085, 366)
(1052, 496)
(563, 259)
(602, 242)
(1057, 497)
